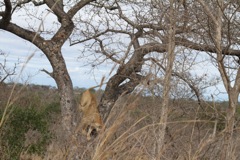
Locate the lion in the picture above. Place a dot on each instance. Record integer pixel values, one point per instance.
(91, 121)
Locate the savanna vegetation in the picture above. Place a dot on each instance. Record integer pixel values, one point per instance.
(32, 128)
(154, 105)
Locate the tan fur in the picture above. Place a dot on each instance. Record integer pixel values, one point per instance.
(91, 119)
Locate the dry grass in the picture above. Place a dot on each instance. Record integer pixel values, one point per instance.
(132, 130)
(132, 133)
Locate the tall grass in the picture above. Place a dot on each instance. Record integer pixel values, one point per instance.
(131, 131)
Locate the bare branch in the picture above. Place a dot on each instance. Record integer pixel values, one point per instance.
(5, 71)
(184, 78)
(77, 7)
(207, 48)
(103, 51)
(208, 11)
(22, 2)
(107, 7)
(57, 10)
(38, 3)
(89, 38)
(152, 47)
(25, 34)
(49, 73)
(128, 87)
(125, 18)
(6, 15)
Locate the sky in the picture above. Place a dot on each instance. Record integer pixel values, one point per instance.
(18, 51)
(83, 76)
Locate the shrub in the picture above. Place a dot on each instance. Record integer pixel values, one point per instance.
(25, 130)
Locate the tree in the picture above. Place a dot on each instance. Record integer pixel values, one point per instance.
(127, 41)
(5, 70)
(50, 46)
(221, 34)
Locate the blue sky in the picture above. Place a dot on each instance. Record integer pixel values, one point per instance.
(18, 50)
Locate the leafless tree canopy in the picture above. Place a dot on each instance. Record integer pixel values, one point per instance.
(151, 44)
(6, 71)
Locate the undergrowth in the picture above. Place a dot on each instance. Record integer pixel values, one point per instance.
(27, 128)
(131, 131)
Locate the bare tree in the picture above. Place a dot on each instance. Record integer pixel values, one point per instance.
(6, 71)
(49, 45)
(223, 20)
(128, 41)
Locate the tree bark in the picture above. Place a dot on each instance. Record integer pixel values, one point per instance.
(128, 71)
(64, 84)
(227, 151)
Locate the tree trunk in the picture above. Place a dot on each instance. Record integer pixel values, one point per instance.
(228, 150)
(68, 105)
(114, 90)
(67, 102)
(233, 92)
(64, 84)
(128, 71)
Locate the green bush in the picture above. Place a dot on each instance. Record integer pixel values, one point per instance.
(54, 107)
(25, 130)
